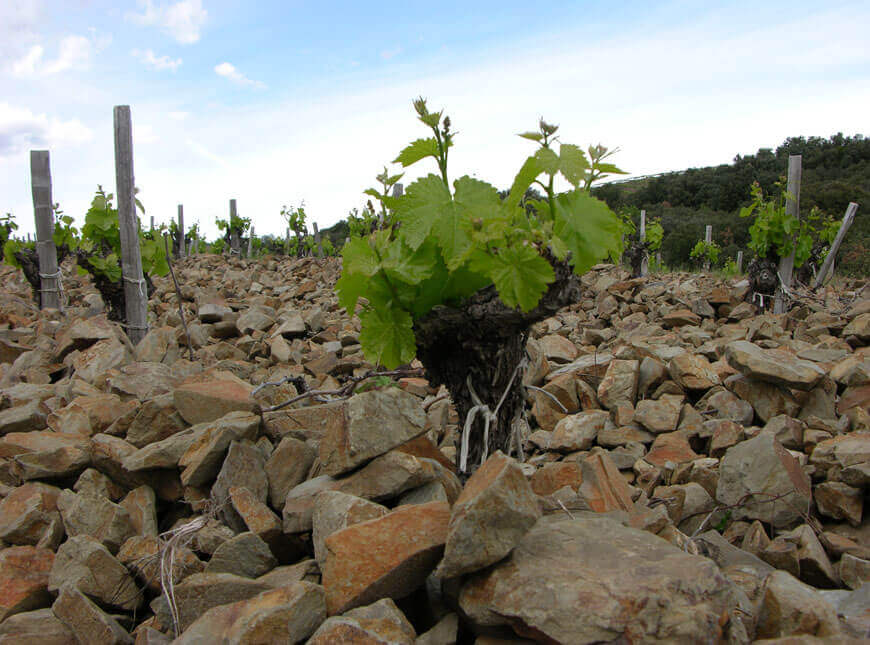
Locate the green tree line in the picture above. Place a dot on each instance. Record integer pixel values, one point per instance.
(836, 171)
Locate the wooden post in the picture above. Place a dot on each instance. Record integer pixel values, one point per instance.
(644, 262)
(398, 190)
(250, 241)
(152, 222)
(318, 241)
(135, 289)
(792, 207)
(235, 243)
(739, 261)
(181, 248)
(827, 265)
(49, 275)
(708, 238)
(659, 260)
(287, 242)
(28, 238)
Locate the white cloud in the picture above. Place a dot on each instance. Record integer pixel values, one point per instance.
(74, 53)
(228, 70)
(387, 54)
(178, 115)
(148, 57)
(20, 129)
(182, 20)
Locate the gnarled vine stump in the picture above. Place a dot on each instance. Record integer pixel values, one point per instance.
(485, 340)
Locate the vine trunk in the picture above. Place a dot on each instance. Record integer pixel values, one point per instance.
(483, 342)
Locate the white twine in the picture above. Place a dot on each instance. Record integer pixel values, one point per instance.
(174, 540)
(59, 283)
(488, 417)
(140, 283)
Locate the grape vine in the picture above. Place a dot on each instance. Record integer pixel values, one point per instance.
(450, 240)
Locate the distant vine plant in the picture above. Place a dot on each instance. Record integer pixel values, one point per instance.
(449, 240)
(98, 252)
(705, 253)
(775, 234)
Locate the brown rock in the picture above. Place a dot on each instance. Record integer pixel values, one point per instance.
(578, 431)
(380, 622)
(24, 579)
(766, 399)
(692, 372)
(386, 557)
(287, 467)
(89, 623)
(333, 511)
(619, 385)
(773, 366)
(790, 607)
(289, 614)
(496, 508)
(203, 401)
(106, 522)
(670, 447)
(203, 459)
(375, 422)
(763, 467)
(660, 415)
(603, 488)
(551, 477)
(840, 501)
(28, 513)
(40, 626)
(85, 564)
(594, 563)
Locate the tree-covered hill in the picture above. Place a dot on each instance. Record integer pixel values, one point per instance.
(835, 171)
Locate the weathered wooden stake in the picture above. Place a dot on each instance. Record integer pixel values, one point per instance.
(235, 243)
(644, 262)
(152, 222)
(792, 207)
(135, 289)
(181, 248)
(828, 264)
(287, 242)
(708, 238)
(318, 241)
(250, 241)
(739, 261)
(50, 296)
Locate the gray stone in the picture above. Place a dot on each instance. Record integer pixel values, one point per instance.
(375, 422)
(633, 585)
(244, 555)
(89, 623)
(761, 465)
(772, 366)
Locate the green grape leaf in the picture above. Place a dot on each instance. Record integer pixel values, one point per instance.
(572, 164)
(528, 172)
(532, 136)
(421, 206)
(609, 169)
(548, 159)
(588, 227)
(521, 276)
(463, 282)
(451, 231)
(367, 191)
(417, 150)
(359, 257)
(559, 248)
(387, 337)
(411, 267)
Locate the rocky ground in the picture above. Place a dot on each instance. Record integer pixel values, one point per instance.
(692, 472)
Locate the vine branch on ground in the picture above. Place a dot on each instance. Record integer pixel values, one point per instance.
(343, 392)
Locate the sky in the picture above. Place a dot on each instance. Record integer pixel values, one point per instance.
(279, 102)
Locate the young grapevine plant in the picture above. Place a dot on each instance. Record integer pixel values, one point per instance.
(449, 240)
(705, 253)
(776, 234)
